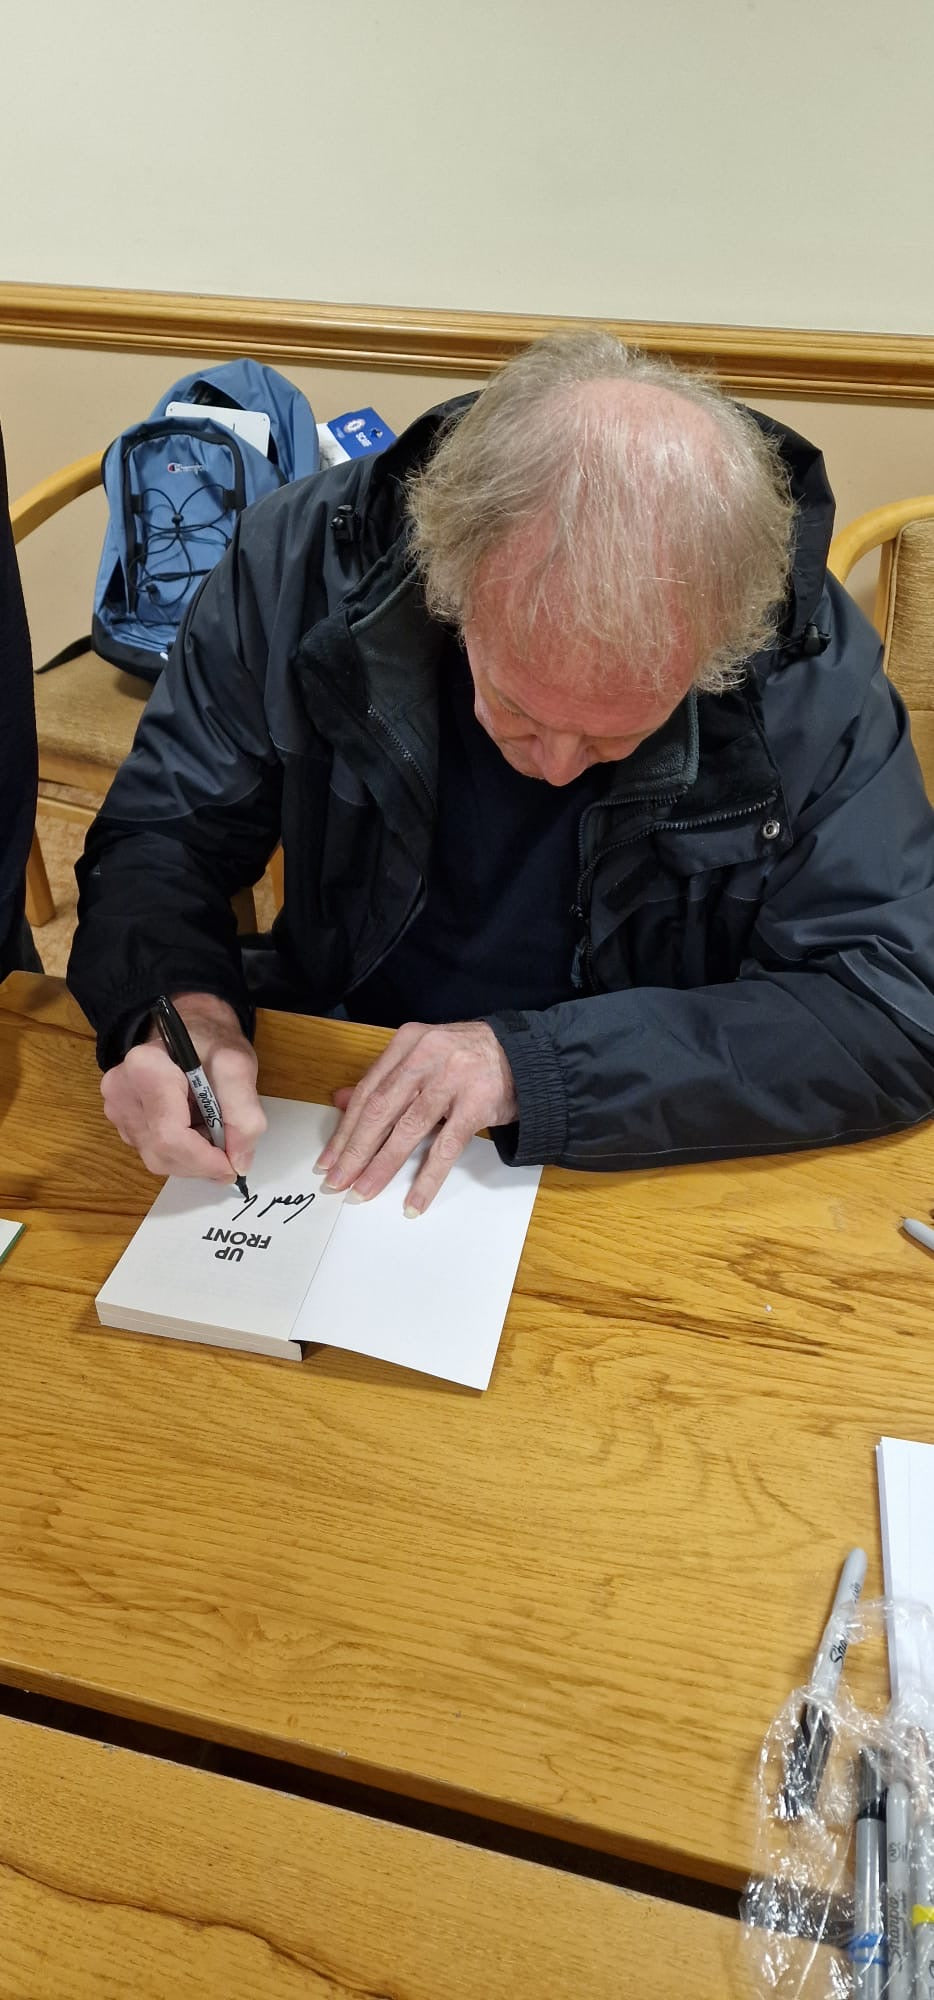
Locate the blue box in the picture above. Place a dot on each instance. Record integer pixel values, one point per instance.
(361, 432)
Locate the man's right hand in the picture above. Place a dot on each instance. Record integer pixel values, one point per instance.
(146, 1096)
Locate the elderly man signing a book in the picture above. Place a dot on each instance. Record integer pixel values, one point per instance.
(589, 784)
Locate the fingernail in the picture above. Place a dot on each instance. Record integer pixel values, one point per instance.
(410, 1211)
(334, 1183)
(353, 1194)
(323, 1161)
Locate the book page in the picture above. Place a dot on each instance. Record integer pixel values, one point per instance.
(204, 1257)
(429, 1294)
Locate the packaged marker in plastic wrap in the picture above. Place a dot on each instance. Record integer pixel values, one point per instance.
(842, 1903)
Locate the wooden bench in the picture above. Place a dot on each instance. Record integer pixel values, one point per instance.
(122, 1875)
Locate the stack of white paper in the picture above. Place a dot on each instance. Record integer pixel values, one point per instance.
(297, 1264)
(906, 1507)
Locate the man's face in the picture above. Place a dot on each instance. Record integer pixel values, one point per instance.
(546, 729)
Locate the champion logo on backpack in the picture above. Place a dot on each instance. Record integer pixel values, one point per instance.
(173, 466)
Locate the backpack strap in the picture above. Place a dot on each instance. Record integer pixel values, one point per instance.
(72, 651)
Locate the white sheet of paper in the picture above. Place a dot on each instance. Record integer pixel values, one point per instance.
(253, 425)
(9, 1231)
(906, 1507)
(429, 1294)
(205, 1260)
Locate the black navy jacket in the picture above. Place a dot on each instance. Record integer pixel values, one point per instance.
(755, 962)
(18, 757)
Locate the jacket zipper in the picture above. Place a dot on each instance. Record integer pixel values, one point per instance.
(580, 965)
(418, 899)
(405, 753)
(417, 904)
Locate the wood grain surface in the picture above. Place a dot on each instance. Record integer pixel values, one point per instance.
(573, 1603)
(121, 1875)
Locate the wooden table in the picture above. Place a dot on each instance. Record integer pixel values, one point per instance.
(573, 1603)
(123, 1875)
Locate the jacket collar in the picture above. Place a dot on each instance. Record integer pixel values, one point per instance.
(815, 508)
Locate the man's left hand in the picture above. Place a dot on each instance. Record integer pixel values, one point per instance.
(454, 1077)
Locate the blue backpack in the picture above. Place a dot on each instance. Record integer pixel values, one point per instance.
(175, 487)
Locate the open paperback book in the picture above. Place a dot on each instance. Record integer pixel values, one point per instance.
(296, 1264)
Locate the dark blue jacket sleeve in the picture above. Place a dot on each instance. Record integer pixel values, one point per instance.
(195, 810)
(18, 757)
(191, 817)
(828, 1033)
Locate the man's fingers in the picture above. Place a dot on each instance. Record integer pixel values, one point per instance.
(419, 1119)
(354, 1102)
(453, 1076)
(241, 1146)
(437, 1164)
(395, 1117)
(233, 1078)
(191, 1156)
(369, 1116)
(386, 1063)
(146, 1097)
(144, 1090)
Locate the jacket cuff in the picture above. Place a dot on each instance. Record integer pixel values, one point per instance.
(124, 1026)
(540, 1135)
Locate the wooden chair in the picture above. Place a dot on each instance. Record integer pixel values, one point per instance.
(904, 607)
(86, 710)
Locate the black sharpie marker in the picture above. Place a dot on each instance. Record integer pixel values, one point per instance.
(182, 1050)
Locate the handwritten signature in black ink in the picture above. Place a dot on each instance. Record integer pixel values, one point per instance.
(299, 1204)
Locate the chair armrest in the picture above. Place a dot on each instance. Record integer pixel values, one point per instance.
(54, 493)
(870, 531)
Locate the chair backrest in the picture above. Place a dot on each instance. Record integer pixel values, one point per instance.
(903, 532)
(908, 633)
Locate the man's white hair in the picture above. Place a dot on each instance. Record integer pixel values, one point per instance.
(632, 523)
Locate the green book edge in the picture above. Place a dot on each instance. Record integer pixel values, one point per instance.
(18, 1230)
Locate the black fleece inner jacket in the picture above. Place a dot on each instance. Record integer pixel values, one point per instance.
(499, 928)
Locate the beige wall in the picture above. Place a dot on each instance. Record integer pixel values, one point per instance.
(57, 405)
(737, 162)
